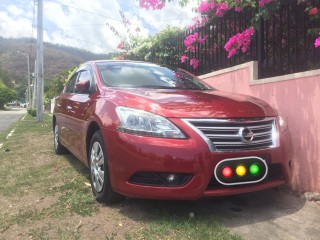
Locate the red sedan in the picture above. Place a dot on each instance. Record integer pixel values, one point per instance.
(151, 131)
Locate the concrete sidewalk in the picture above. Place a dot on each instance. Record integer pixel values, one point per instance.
(273, 214)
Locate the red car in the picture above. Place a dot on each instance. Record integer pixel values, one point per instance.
(151, 131)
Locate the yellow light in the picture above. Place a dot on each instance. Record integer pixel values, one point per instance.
(241, 170)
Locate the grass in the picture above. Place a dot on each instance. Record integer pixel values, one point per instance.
(46, 196)
(183, 227)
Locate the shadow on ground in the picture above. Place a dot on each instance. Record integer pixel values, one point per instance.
(234, 210)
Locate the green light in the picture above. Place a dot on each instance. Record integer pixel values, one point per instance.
(254, 169)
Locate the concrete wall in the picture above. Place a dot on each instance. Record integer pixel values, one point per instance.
(297, 99)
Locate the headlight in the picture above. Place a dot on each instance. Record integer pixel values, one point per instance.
(146, 124)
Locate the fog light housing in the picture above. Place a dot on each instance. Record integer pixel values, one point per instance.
(171, 178)
(160, 179)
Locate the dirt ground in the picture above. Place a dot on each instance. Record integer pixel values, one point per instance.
(270, 214)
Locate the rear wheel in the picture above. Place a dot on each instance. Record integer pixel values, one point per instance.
(99, 171)
(58, 148)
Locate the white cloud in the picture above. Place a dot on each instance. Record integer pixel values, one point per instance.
(14, 27)
(172, 14)
(14, 11)
(81, 23)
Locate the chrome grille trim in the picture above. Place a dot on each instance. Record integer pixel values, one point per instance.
(222, 135)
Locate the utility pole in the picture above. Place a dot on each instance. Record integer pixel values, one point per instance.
(34, 85)
(28, 97)
(40, 61)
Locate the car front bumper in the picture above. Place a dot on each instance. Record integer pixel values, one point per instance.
(130, 154)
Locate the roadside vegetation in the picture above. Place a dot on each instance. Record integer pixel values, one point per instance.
(45, 196)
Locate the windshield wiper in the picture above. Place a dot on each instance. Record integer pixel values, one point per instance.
(156, 87)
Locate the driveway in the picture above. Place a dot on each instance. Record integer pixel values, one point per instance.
(271, 214)
(10, 116)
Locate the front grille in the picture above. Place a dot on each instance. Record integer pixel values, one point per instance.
(225, 135)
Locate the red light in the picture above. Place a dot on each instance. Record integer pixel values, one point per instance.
(227, 172)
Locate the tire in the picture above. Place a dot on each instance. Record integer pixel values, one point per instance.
(99, 171)
(58, 148)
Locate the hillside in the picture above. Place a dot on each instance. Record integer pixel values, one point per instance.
(57, 58)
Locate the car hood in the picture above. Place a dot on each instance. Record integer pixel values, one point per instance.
(195, 103)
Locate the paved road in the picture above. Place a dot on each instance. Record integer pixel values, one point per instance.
(10, 116)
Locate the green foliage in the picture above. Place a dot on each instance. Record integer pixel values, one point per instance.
(70, 73)
(160, 47)
(6, 78)
(54, 87)
(6, 94)
(32, 112)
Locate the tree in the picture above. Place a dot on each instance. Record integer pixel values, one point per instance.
(6, 95)
(54, 87)
(6, 78)
(156, 47)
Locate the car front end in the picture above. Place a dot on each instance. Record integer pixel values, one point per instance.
(189, 157)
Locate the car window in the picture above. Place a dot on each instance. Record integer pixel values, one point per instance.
(70, 86)
(144, 75)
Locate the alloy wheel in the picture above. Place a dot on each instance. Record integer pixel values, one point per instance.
(97, 166)
(56, 137)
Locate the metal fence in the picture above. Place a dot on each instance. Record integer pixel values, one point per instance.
(282, 44)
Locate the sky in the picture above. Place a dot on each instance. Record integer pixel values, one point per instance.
(82, 23)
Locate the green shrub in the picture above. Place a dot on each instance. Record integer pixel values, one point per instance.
(32, 112)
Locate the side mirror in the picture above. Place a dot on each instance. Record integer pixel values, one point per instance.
(83, 87)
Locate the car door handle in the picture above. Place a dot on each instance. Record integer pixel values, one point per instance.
(69, 107)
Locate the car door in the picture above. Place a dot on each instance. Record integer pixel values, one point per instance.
(62, 109)
(78, 104)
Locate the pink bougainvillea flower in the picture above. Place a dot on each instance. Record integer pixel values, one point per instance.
(195, 63)
(183, 59)
(198, 22)
(201, 40)
(204, 7)
(264, 2)
(239, 41)
(213, 5)
(313, 11)
(317, 42)
(120, 45)
(153, 4)
(221, 9)
(190, 41)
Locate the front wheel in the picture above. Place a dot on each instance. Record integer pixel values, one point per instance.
(58, 148)
(99, 171)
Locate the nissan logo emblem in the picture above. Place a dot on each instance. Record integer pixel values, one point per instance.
(246, 134)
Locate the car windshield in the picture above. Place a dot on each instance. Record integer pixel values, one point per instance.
(147, 75)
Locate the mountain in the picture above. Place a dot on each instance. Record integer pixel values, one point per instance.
(57, 58)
